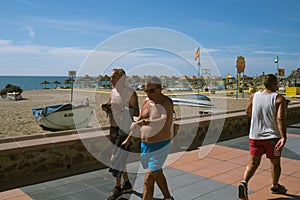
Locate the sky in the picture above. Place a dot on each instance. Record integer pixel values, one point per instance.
(52, 37)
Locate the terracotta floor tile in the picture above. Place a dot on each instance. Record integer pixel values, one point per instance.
(265, 163)
(188, 159)
(259, 181)
(292, 179)
(264, 194)
(224, 167)
(284, 160)
(206, 162)
(296, 174)
(24, 197)
(233, 154)
(217, 149)
(176, 159)
(190, 154)
(187, 167)
(290, 167)
(231, 177)
(291, 184)
(175, 155)
(14, 194)
(206, 172)
(176, 163)
(192, 158)
(219, 167)
(241, 160)
(193, 152)
(260, 194)
(269, 179)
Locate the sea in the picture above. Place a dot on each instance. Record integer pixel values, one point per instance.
(33, 82)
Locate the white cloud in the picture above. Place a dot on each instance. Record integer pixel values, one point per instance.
(33, 5)
(68, 51)
(4, 42)
(30, 32)
(6, 47)
(79, 25)
(57, 59)
(274, 53)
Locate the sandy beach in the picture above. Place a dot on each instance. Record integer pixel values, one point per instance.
(17, 119)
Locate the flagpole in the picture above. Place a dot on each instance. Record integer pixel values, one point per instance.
(198, 72)
(237, 84)
(243, 94)
(277, 62)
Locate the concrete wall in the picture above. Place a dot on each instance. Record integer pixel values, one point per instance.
(32, 159)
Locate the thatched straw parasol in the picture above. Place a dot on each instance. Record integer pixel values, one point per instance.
(56, 82)
(45, 83)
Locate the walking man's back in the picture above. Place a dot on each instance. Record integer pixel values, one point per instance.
(267, 134)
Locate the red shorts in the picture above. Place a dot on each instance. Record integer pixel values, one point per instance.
(260, 147)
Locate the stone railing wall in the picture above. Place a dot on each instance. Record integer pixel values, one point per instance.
(192, 133)
(32, 159)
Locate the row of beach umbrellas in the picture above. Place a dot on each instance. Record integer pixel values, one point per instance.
(56, 82)
(45, 83)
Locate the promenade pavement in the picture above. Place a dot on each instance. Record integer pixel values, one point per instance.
(214, 177)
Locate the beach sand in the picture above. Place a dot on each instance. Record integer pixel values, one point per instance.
(17, 118)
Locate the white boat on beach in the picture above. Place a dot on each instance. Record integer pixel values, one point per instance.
(197, 100)
(63, 116)
(16, 96)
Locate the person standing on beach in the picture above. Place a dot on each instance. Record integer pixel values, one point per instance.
(267, 110)
(123, 105)
(153, 126)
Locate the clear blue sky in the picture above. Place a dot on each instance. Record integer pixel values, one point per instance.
(50, 37)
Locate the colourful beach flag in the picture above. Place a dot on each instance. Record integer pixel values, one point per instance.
(276, 60)
(197, 53)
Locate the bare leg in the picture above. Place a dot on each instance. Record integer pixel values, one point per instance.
(275, 170)
(163, 185)
(149, 182)
(118, 181)
(251, 167)
(125, 175)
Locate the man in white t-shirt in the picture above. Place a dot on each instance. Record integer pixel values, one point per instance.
(267, 110)
(121, 108)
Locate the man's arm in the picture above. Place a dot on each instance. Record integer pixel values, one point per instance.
(166, 114)
(249, 106)
(135, 127)
(134, 104)
(281, 120)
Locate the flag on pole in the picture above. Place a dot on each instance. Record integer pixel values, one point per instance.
(276, 60)
(197, 53)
